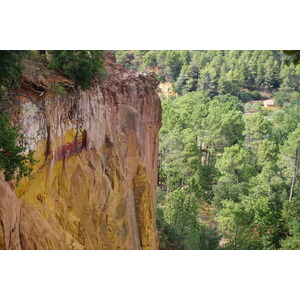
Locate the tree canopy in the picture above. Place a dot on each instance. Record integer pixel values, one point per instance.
(80, 65)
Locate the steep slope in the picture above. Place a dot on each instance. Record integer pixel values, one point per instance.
(94, 184)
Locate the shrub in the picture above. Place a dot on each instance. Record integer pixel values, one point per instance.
(282, 98)
(256, 95)
(12, 162)
(58, 90)
(245, 96)
(82, 66)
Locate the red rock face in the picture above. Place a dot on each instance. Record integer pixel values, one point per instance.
(95, 182)
(70, 148)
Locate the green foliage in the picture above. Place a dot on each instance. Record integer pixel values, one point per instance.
(266, 153)
(291, 213)
(179, 151)
(257, 128)
(178, 219)
(149, 59)
(282, 98)
(235, 163)
(256, 95)
(286, 121)
(223, 125)
(218, 72)
(292, 56)
(291, 242)
(291, 78)
(79, 65)
(289, 162)
(248, 224)
(207, 81)
(125, 58)
(12, 162)
(11, 67)
(58, 90)
(288, 150)
(247, 96)
(233, 219)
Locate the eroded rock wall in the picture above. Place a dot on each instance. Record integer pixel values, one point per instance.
(9, 217)
(94, 184)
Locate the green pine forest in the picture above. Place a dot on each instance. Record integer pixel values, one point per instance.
(228, 164)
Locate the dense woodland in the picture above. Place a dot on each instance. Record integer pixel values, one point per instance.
(228, 166)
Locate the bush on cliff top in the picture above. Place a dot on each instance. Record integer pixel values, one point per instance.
(82, 66)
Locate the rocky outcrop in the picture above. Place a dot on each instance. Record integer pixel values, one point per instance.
(95, 180)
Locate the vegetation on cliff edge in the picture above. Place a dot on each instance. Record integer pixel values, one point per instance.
(79, 65)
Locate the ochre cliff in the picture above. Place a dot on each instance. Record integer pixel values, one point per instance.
(94, 183)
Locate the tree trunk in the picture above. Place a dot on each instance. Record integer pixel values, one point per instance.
(296, 168)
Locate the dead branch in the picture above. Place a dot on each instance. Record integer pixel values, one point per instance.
(10, 96)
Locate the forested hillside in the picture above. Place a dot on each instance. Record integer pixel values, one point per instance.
(228, 160)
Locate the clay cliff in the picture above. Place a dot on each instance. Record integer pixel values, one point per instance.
(94, 184)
